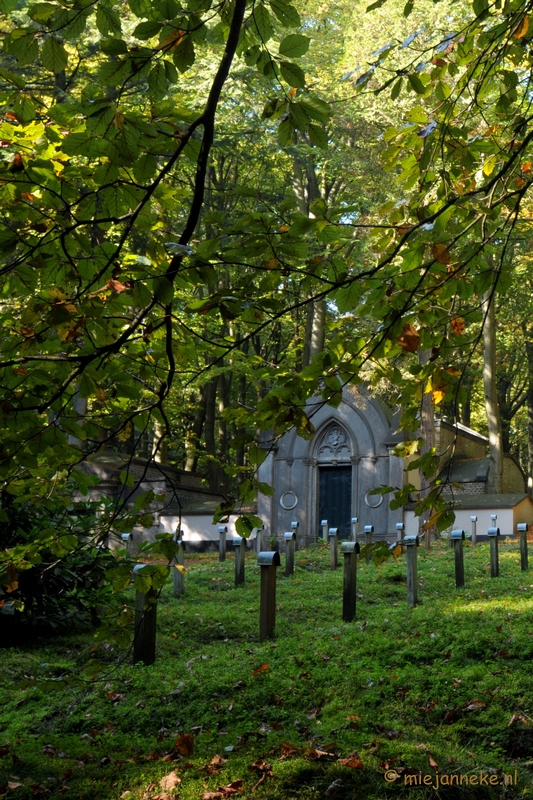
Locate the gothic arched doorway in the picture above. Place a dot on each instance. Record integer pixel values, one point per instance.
(335, 478)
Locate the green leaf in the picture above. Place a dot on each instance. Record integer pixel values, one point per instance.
(316, 108)
(113, 47)
(53, 55)
(24, 109)
(396, 89)
(285, 132)
(7, 6)
(107, 19)
(293, 74)
(184, 55)
(147, 30)
(141, 8)
(416, 83)
(286, 13)
(22, 43)
(375, 5)
(41, 12)
(262, 22)
(145, 168)
(318, 135)
(163, 290)
(157, 81)
(294, 45)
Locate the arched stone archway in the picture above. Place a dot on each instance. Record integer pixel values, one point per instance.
(350, 454)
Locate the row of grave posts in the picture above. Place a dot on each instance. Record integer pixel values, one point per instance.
(268, 561)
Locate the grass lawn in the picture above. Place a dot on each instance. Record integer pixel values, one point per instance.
(326, 710)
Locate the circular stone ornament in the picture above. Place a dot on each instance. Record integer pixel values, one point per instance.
(288, 500)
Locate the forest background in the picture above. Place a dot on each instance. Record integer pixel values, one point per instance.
(213, 211)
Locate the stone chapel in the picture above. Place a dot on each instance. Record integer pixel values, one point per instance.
(331, 476)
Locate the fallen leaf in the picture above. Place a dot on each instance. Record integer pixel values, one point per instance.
(260, 766)
(353, 761)
(517, 718)
(288, 750)
(474, 705)
(319, 755)
(262, 668)
(170, 781)
(185, 744)
(432, 763)
(451, 714)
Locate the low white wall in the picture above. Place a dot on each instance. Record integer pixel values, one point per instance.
(198, 528)
(484, 522)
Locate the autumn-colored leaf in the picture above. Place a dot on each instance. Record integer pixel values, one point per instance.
(517, 718)
(441, 253)
(474, 705)
(184, 744)
(27, 196)
(451, 714)
(262, 668)
(261, 767)
(116, 286)
(438, 396)
(17, 165)
(527, 166)
(171, 41)
(314, 712)
(26, 331)
(522, 29)
(181, 569)
(432, 763)
(288, 750)
(170, 781)
(272, 263)
(458, 325)
(319, 755)
(293, 91)
(12, 576)
(353, 761)
(409, 339)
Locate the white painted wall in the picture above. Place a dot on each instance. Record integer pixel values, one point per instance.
(199, 527)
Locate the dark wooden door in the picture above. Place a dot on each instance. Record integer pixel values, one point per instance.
(335, 499)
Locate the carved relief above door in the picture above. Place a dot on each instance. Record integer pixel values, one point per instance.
(334, 445)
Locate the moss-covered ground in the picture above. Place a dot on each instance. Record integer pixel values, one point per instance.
(441, 693)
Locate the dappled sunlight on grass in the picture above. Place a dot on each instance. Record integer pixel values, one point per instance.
(445, 683)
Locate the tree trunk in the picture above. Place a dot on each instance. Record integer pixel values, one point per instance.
(427, 433)
(193, 439)
(160, 446)
(314, 330)
(529, 352)
(491, 395)
(209, 433)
